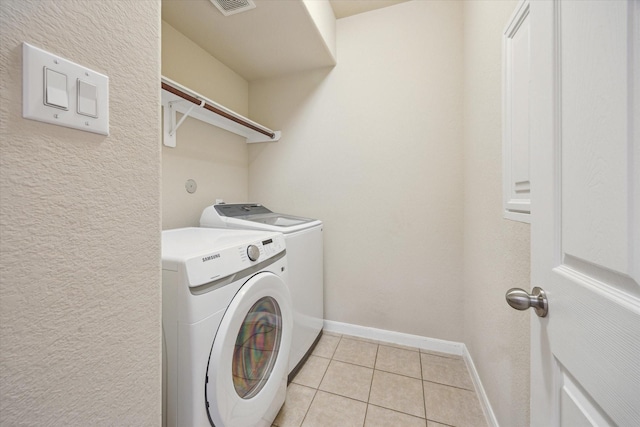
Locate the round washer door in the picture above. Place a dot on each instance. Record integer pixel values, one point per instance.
(247, 371)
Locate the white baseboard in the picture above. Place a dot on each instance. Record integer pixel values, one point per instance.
(431, 344)
(482, 395)
(424, 343)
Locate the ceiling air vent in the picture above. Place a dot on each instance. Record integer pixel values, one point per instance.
(230, 7)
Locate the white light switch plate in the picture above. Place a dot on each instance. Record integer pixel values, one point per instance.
(34, 63)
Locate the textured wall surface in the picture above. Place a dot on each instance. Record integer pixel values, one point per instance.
(80, 336)
(496, 250)
(216, 159)
(374, 148)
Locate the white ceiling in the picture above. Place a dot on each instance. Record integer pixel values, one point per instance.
(344, 8)
(276, 38)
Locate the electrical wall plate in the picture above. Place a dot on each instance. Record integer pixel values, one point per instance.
(191, 186)
(80, 102)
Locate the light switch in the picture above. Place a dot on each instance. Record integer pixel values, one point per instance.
(87, 99)
(63, 93)
(55, 87)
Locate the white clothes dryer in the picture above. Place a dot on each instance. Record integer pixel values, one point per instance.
(304, 252)
(227, 325)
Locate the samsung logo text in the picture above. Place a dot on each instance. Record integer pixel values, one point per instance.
(210, 257)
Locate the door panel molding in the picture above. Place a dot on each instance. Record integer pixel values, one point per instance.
(577, 407)
(612, 281)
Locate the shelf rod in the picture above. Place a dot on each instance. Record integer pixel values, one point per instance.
(213, 109)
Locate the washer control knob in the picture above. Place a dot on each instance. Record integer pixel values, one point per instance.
(253, 252)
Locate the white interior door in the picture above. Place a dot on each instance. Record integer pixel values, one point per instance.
(585, 132)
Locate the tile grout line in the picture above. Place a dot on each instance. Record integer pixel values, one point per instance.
(337, 345)
(424, 403)
(355, 364)
(400, 375)
(453, 356)
(378, 406)
(347, 397)
(318, 388)
(408, 414)
(375, 361)
(315, 393)
(330, 360)
(452, 386)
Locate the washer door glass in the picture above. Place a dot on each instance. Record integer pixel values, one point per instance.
(247, 373)
(256, 347)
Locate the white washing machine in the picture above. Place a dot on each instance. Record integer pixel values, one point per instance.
(227, 324)
(304, 251)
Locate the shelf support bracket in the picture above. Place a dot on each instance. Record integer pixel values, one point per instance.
(170, 125)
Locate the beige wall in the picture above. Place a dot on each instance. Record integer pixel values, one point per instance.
(496, 251)
(80, 213)
(80, 337)
(216, 159)
(373, 147)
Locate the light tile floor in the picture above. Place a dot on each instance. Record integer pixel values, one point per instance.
(349, 381)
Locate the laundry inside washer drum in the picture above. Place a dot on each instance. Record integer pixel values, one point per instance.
(256, 348)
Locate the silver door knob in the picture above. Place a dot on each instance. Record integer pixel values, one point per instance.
(521, 300)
